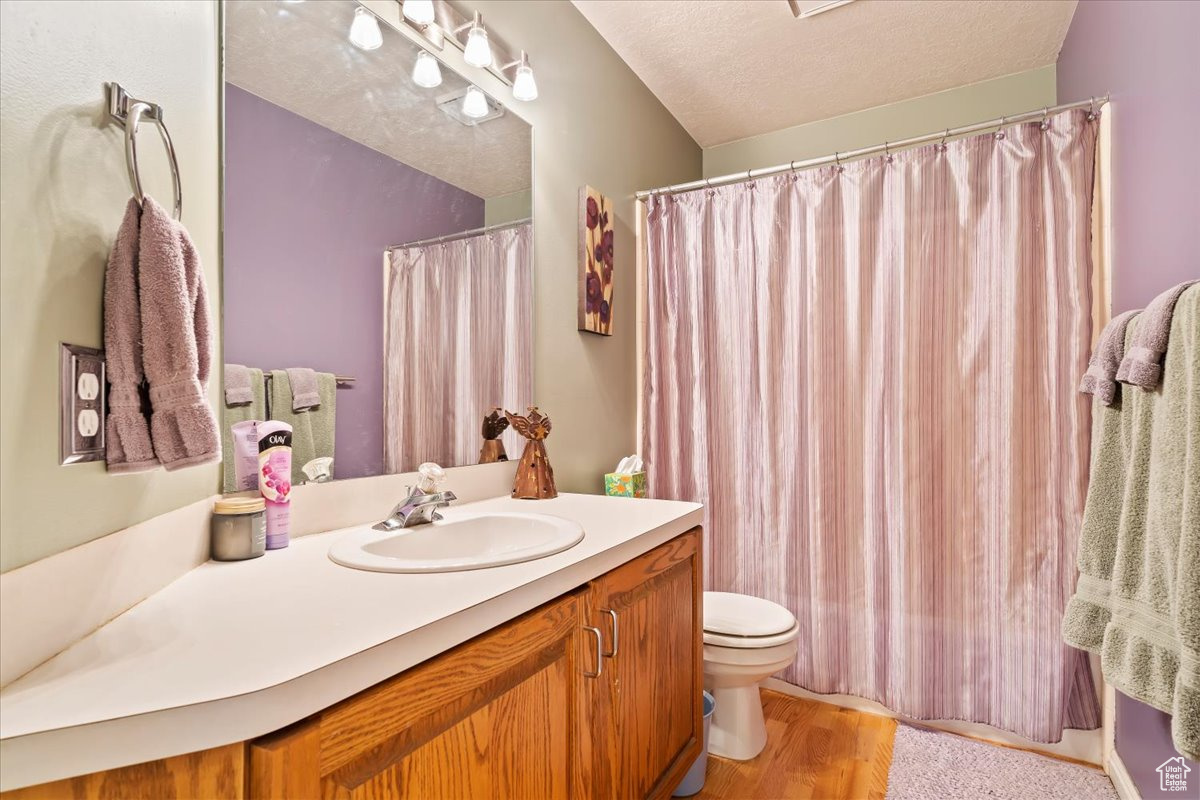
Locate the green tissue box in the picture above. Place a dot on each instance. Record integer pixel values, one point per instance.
(625, 484)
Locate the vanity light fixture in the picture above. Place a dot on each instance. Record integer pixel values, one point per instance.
(427, 72)
(477, 52)
(419, 11)
(449, 24)
(364, 31)
(524, 86)
(474, 104)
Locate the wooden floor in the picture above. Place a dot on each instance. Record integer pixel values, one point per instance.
(815, 751)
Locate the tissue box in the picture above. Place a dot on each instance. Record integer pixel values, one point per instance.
(625, 484)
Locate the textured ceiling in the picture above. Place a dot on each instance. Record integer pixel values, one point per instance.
(730, 69)
(297, 56)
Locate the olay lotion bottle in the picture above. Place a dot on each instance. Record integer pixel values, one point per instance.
(275, 479)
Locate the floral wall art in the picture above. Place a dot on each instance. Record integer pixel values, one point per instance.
(595, 263)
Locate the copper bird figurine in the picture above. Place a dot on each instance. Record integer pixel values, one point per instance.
(535, 476)
(494, 424)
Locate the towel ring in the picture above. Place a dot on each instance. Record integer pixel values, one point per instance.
(129, 112)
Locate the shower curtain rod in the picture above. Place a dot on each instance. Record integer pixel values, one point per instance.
(886, 147)
(463, 235)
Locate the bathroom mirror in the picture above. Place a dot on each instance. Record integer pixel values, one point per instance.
(376, 231)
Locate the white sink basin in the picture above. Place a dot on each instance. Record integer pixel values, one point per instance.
(459, 542)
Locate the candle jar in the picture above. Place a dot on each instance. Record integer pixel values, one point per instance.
(239, 528)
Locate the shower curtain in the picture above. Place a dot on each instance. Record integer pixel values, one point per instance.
(867, 373)
(458, 342)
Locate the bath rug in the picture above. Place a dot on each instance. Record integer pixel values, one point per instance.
(927, 764)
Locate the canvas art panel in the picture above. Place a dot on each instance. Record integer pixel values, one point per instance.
(595, 262)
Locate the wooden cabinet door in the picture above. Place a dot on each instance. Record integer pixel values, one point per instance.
(647, 721)
(497, 717)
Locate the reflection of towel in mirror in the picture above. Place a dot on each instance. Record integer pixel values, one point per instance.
(239, 386)
(305, 394)
(1137, 602)
(313, 429)
(256, 408)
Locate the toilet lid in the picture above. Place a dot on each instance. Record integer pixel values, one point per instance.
(743, 615)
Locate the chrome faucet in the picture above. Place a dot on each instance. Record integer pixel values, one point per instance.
(423, 501)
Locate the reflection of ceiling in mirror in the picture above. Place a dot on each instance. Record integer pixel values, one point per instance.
(298, 56)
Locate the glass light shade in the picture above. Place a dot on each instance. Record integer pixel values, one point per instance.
(524, 86)
(419, 11)
(364, 31)
(478, 53)
(474, 103)
(427, 73)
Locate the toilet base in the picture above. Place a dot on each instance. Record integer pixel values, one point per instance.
(738, 729)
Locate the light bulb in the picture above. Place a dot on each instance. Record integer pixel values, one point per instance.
(364, 31)
(524, 86)
(474, 103)
(419, 11)
(478, 53)
(427, 72)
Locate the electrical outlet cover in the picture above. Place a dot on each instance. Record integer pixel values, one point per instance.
(83, 395)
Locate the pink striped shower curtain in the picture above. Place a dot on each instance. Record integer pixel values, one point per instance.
(868, 375)
(458, 341)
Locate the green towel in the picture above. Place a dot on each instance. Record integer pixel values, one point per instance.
(231, 415)
(312, 430)
(1137, 602)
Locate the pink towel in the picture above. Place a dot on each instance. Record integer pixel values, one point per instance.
(304, 388)
(176, 341)
(127, 429)
(1142, 365)
(1100, 379)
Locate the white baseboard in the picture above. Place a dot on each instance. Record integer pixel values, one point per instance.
(1121, 780)
(1078, 745)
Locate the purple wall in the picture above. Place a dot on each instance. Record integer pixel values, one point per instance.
(308, 214)
(1146, 55)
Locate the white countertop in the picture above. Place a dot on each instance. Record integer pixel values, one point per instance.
(231, 651)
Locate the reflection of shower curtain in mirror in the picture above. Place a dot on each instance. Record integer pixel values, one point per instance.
(459, 341)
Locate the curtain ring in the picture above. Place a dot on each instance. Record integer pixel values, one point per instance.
(837, 160)
(887, 152)
(1000, 130)
(1093, 110)
(1045, 119)
(942, 143)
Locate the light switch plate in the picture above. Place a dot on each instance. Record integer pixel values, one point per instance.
(83, 393)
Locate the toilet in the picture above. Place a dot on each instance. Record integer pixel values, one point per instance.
(746, 640)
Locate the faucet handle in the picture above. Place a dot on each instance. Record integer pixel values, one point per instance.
(431, 475)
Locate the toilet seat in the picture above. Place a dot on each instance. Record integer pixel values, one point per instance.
(742, 621)
(713, 639)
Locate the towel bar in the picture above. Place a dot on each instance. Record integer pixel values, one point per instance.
(129, 112)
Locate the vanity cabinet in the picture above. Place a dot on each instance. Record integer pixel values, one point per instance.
(646, 716)
(495, 717)
(593, 695)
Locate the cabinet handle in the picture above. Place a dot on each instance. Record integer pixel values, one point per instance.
(599, 653)
(615, 633)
